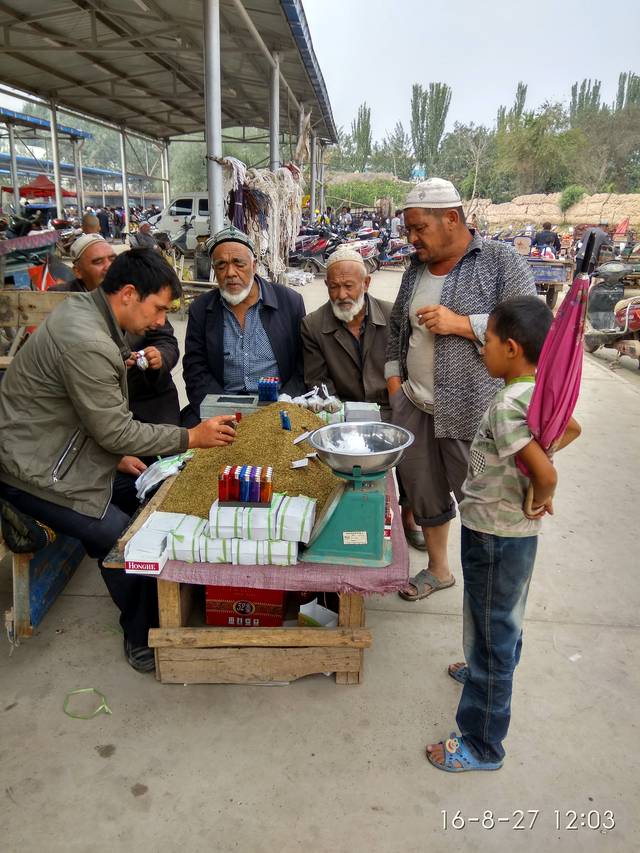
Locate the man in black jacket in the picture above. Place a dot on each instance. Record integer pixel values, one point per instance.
(246, 328)
(153, 397)
(549, 238)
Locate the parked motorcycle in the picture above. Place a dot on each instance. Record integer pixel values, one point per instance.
(613, 310)
(312, 249)
(394, 251)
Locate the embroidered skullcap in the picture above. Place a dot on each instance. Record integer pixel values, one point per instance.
(229, 235)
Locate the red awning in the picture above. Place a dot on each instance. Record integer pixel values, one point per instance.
(40, 187)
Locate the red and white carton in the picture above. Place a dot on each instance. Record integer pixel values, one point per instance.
(146, 553)
(145, 567)
(243, 607)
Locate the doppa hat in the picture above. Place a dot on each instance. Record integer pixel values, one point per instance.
(83, 243)
(343, 253)
(229, 235)
(433, 193)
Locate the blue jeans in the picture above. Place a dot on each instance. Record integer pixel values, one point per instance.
(497, 571)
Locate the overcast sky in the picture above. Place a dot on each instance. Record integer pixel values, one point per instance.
(373, 51)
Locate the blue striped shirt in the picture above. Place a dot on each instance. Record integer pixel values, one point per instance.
(248, 354)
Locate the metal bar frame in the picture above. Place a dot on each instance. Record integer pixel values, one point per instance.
(14, 168)
(55, 156)
(274, 115)
(213, 104)
(313, 178)
(125, 186)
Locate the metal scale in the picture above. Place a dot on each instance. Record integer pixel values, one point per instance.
(350, 529)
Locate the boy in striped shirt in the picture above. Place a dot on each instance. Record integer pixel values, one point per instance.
(499, 537)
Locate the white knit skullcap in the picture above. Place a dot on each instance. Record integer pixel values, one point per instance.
(344, 253)
(433, 193)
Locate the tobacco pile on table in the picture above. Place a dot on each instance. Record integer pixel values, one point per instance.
(260, 440)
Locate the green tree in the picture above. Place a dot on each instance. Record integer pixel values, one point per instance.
(467, 157)
(429, 110)
(628, 91)
(361, 135)
(585, 101)
(394, 154)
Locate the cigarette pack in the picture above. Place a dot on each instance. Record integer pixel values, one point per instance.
(184, 539)
(241, 607)
(295, 519)
(146, 553)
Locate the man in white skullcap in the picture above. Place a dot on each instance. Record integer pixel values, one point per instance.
(344, 344)
(344, 341)
(92, 256)
(438, 385)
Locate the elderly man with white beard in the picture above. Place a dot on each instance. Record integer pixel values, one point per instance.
(344, 343)
(245, 328)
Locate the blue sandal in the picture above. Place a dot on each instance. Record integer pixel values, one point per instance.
(458, 758)
(460, 675)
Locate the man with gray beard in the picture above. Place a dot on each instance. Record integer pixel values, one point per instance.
(245, 328)
(344, 343)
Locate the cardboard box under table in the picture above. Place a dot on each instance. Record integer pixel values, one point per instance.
(217, 655)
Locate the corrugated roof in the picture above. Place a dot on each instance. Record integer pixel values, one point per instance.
(139, 63)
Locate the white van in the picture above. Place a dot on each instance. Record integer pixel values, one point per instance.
(188, 207)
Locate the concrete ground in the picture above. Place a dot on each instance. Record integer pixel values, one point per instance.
(314, 766)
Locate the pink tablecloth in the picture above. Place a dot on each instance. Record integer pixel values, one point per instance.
(320, 577)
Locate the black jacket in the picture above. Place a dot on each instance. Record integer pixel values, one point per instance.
(203, 362)
(153, 398)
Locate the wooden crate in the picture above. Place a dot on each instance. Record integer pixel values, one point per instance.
(211, 655)
(254, 655)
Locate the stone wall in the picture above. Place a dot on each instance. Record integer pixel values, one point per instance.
(606, 208)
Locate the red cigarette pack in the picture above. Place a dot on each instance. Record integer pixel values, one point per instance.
(243, 607)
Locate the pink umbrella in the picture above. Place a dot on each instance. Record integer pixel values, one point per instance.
(560, 366)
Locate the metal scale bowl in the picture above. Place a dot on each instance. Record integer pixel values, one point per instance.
(350, 529)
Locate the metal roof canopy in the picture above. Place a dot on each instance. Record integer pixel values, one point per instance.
(24, 120)
(140, 63)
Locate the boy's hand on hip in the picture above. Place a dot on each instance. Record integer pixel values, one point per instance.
(539, 510)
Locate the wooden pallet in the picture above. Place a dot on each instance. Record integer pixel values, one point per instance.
(254, 655)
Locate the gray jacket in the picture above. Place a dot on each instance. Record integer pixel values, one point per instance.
(331, 355)
(488, 273)
(64, 412)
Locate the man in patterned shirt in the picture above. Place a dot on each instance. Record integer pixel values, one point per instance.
(246, 328)
(438, 386)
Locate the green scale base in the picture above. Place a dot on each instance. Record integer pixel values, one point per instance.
(351, 528)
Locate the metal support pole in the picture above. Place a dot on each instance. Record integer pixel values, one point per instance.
(213, 102)
(274, 116)
(74, 152)
(81, 177)
(163, 178)
(104, 201)
(322, 207)
(55, 156)
(125, 188)
(313, 178)
(14, 169)
(166, 168)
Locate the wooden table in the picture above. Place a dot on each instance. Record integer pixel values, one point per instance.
(207, 655)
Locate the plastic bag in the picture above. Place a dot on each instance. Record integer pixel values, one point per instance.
(159, 471)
